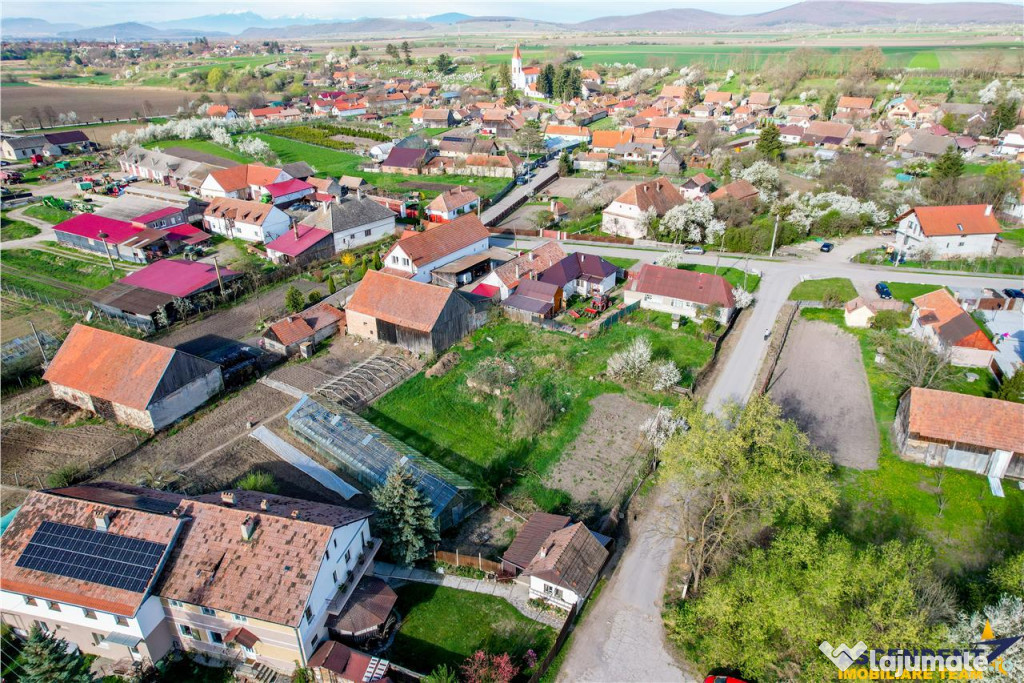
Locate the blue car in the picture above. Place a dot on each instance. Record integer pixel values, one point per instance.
(882, 290)
(1014, 293)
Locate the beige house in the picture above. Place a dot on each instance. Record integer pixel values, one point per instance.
(860, 312)
(626, 215)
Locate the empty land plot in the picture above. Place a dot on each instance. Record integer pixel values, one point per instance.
(599, 466)
(30, 451)
(820, 383)
(92, 103)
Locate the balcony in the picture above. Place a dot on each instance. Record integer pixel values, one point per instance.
(364, 562)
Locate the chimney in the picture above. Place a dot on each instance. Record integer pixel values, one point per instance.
(227, 497)
(264, 505)
(543, 551)
(295, 514)
(248, 526)
(988, 210)
(101, 520)
(295, 230)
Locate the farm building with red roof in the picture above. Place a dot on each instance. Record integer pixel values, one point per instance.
(180, 279)
(312, 325)
(679, 292)
(301, 244)
(109, 237)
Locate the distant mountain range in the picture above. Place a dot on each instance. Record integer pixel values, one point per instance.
(249, 25)
(829, 13)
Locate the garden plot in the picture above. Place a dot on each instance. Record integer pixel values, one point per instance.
(598, 469)
(821, 384)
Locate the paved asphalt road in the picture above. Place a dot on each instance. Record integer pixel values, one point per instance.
(622, 638)
(542, 175)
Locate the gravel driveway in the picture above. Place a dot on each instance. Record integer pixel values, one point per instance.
(821, 384)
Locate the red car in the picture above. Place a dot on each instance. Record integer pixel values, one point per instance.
(723, 679)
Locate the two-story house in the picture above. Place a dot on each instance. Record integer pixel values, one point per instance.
(945, 232)
(938, 319)
(245, 181)
(416, 255)
(247, 220)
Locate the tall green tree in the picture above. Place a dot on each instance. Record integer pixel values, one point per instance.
(505, 78)
(769, 144)
(767, 614)
(443, 63)
(215, 78)
(741, 473)
(949, 166)
(1004, 116)
(353, 52)
(294, 300)
(407, 51)
(392, 52)
(546, 80)
(45, 659)
(828, 108)
(404, 518)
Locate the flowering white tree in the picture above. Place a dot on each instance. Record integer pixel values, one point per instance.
(662, 427)
(221, 137)
(990, 92)
(1004, 617)
(633, 362)
(255, 147)
(808, 208)
(765, 177)
(693, 221)
(646, 221)
(665, 374)
(742, 297)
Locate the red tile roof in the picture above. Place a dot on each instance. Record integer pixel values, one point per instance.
(424, 248)
(241, 210)
(120, 369)
(570, 557)
(46, 506)
(847, 102)
(531, 537)
(953, 325)
(269, 577)
(455, 198)
(964, 419)
(296, 328)
(571, 131)
(399, 301)
(962, 219)
(244, 175)
(737, 189)
(176, 277)
(688, 285)
(659, 194)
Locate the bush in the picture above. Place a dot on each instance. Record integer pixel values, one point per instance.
(890, 320)
(314, 297)
(68, 475)
(294, 300)
(832, 297)
(258, 481)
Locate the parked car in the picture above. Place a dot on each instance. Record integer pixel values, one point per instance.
(541, 164)
(521, 180)
(723, 679)
(1014, 293)
(883, 291)
(695, 249)
(827, 247)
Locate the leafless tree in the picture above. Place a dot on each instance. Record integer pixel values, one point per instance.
(860, 175)
(914, 363)
(709, 138)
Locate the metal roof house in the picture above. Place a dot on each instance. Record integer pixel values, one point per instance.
(368, 454)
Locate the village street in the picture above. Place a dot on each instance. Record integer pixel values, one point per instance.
(622, 639)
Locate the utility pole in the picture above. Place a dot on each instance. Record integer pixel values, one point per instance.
(103, 238)
(774, 233)
(38, 343)
(220, 281)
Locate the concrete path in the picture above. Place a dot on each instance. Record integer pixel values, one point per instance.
(491, 214)
(45, 234)
(282, 387)
(293, 456)
(516, 594)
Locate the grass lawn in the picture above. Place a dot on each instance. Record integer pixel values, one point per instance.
(1015, 236)
(607, 123)
(445, 626)
(1004, 265)
(203, 146)
(90, 275)
(815, 290)
(901, 499)
(620, 262)
(48, 213)
(472, 432)
(905, 291)
(11, 229)
(735, 276)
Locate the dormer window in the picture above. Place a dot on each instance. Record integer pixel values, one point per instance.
(960, 227)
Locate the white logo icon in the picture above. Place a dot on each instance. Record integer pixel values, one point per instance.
(843, 656)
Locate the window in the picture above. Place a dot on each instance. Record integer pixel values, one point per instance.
(89, 614)
(309, 615)
(316, 639)
(175, 603)
(216, 638)
(41, 625)
(348, 555)
(208, 612)
(553, 592)
(335, 542)
(30, 601)
(327, 554)
(185, 630)
(97, 639)
(334, 576)
(366, 234)
(239, 617)
(53, 605)
(121, 621)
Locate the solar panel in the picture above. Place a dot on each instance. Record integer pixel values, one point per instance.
(94, 556)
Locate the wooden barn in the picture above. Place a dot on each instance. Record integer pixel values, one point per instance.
(416, 316)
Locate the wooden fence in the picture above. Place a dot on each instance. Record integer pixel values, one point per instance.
(458, 559)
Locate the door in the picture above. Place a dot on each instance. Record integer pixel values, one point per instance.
(387, 332)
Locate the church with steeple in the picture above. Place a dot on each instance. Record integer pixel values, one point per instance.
(524, 79)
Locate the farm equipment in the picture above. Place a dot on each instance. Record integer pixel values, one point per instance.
(84, 185)
(193, 252)
(598, 305)
(55, 203)
(82, 206)
(574, 314)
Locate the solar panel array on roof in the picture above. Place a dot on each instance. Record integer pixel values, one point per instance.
(94, 556)
(369, 453)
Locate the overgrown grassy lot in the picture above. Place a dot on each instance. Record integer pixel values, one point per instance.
(445, 626)
(816, 290)
(203, 146)
(85, 273)
(48, 213)
(477, 434)
(952, 509)
(906, 291)
(735, 276)
(12, 229)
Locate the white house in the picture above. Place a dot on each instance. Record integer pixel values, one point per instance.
(1012, 142)
(946, 232)
(247, 220)
(16, 148)
(415, 256)
(624, 216)
(355, 220)
(451, 204)
(679, 292)
(245, 181)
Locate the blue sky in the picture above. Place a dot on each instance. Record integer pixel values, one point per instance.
(101, 13)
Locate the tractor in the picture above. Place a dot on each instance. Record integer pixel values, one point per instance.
(193, 252)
